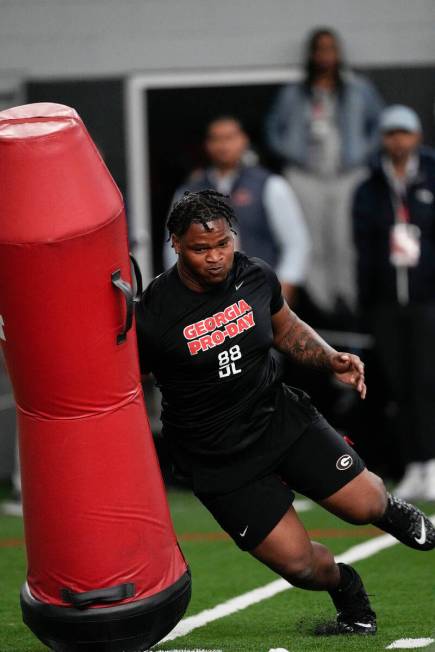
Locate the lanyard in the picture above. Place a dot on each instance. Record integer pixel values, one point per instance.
(401, 216)
(402, 212)
(400, 207)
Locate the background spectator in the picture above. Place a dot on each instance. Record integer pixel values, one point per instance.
(324, 128)
(394, 219)
(270, 222)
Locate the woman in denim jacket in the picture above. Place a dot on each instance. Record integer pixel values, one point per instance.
(324, 128)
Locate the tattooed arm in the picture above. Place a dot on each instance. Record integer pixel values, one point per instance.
(295, 338)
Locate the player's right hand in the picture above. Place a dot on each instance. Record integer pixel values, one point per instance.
(349, 369)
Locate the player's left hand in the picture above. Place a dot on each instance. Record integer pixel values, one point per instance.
(349, 369)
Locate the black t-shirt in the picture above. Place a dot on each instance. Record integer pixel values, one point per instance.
(211, 355)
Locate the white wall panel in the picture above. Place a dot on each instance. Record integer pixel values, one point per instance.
(48, 38)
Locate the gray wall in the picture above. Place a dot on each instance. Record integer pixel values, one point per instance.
(90, 38)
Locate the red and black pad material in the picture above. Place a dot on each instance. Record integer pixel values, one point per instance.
(105, 571)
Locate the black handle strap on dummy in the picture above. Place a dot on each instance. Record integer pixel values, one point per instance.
(138, 277)
(130, 296)
(88, 598)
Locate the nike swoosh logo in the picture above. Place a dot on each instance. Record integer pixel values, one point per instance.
(242, 534)
(422, 538)
(239, 285)
(363, 625)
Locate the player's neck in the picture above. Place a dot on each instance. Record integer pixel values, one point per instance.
(188, 279)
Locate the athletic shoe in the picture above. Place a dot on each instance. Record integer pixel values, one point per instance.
(407, 524)
(354, 612)
(411, 486)
(429, 481)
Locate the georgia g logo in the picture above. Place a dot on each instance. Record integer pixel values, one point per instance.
(344, 462)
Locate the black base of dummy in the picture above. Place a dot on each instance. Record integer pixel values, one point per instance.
(132, 627)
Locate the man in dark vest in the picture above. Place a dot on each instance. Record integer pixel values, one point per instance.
(270, 221)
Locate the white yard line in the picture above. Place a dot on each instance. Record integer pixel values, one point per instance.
(356, 553)
(410, 643)
(226, 608)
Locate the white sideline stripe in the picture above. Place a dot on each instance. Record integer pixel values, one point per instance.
(356, 553)
(226, 608)
(409, 643)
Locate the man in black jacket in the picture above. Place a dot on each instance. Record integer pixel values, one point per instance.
(394, 226)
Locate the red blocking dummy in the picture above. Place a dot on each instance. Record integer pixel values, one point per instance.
(104, 568)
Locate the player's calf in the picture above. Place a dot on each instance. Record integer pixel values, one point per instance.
(354, 612)
(408, 524)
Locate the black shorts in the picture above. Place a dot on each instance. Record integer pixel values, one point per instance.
(317, 464)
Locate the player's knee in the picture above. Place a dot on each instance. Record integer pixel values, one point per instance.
(372, 503)
(380, 499)
(298, 568)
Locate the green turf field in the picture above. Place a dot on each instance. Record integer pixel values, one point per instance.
(400, 581)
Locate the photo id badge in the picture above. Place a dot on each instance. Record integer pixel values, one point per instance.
(404, 245)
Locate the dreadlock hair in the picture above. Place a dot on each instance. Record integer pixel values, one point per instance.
(200, 207)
